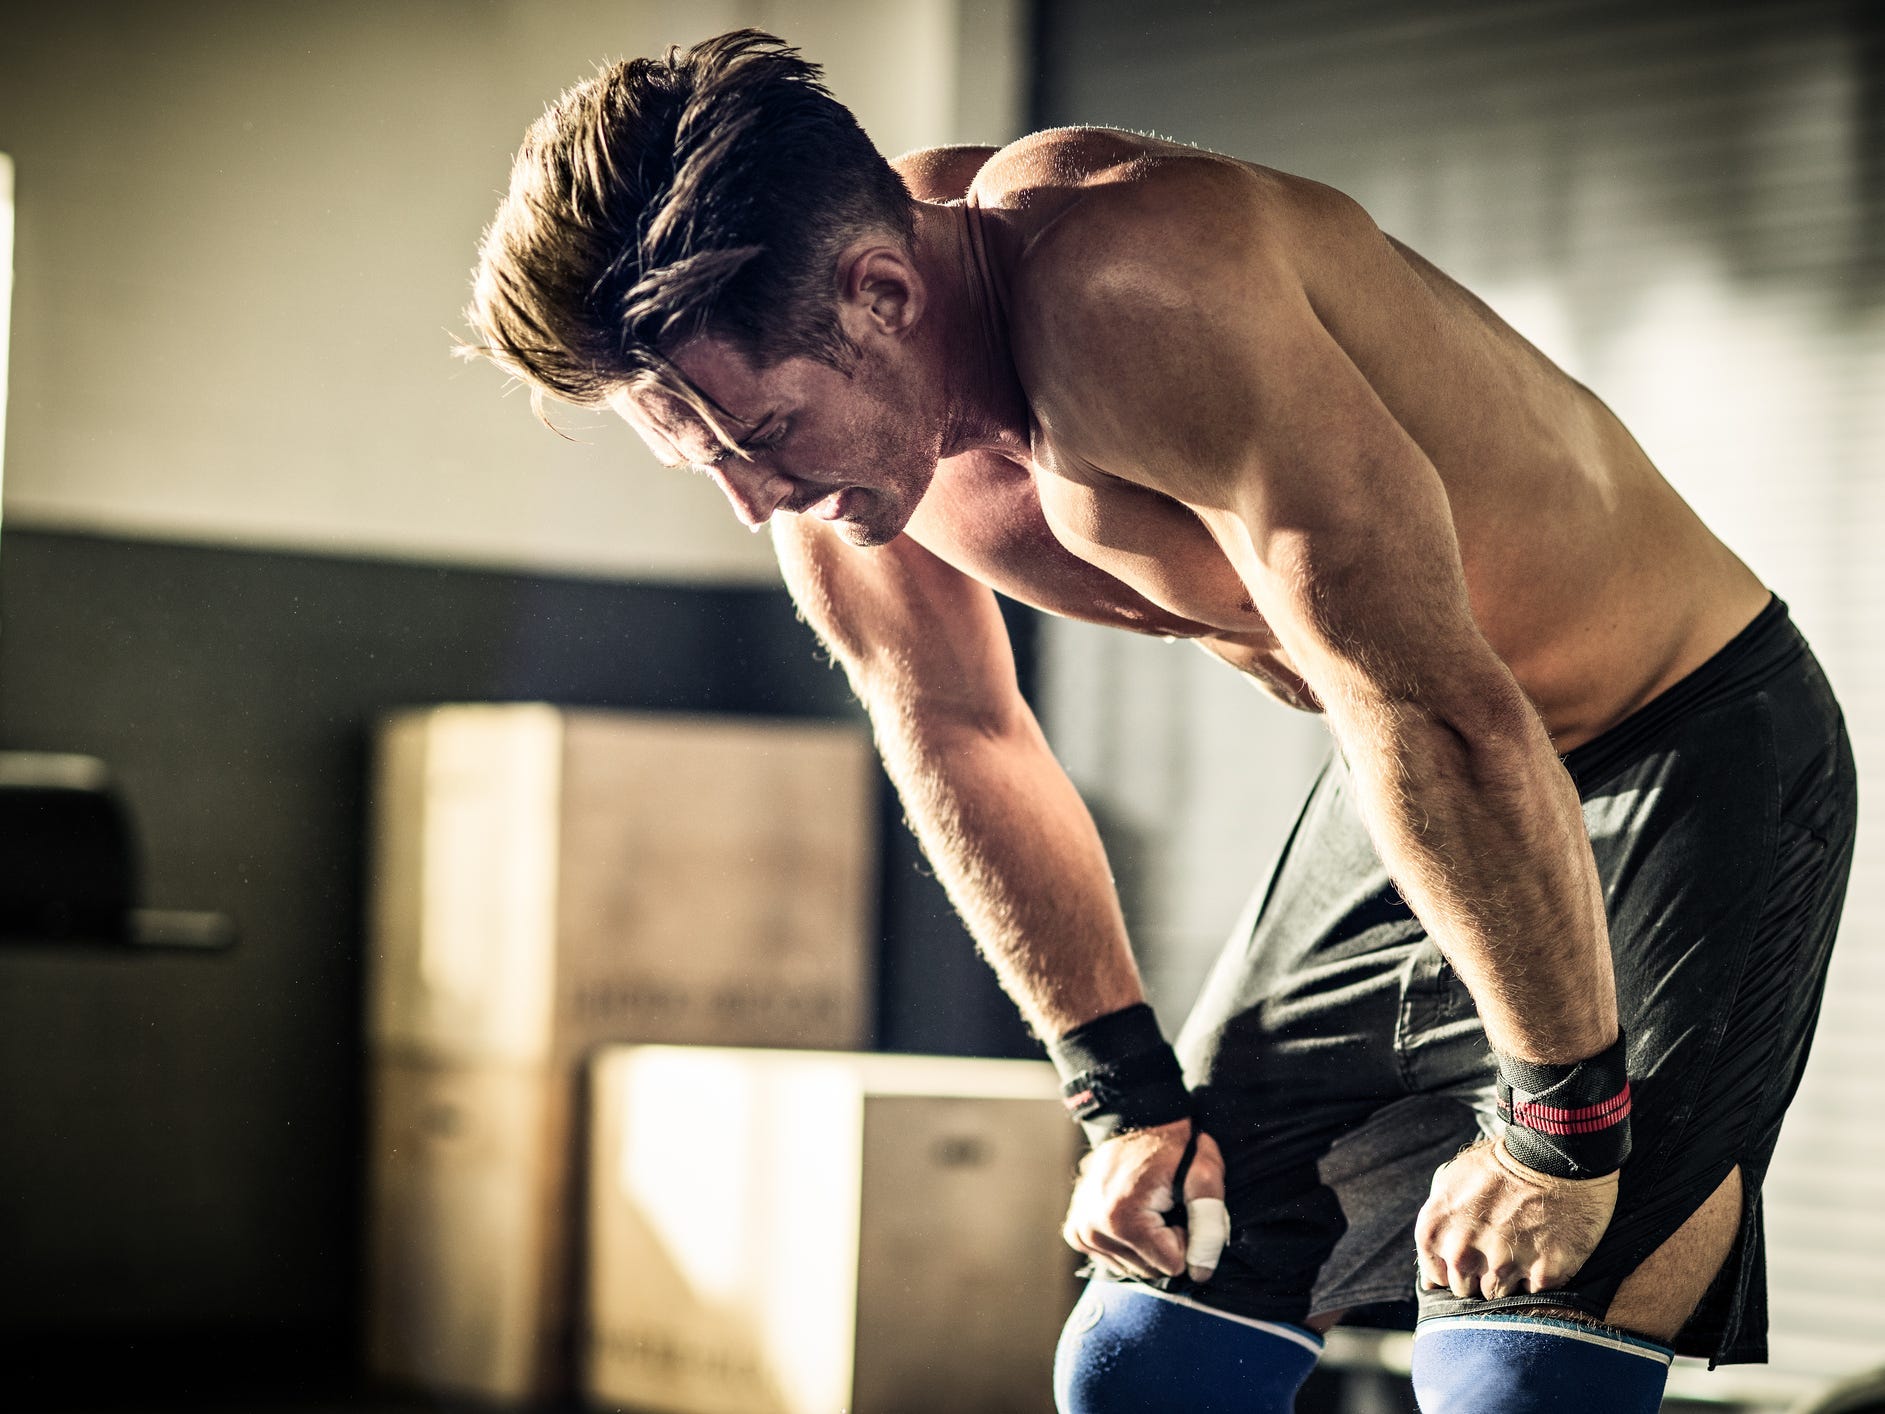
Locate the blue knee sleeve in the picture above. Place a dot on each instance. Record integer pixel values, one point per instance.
(1127, 1349)
(1519, 1364)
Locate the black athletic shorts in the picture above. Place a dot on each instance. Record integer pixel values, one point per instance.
(1338, 1061)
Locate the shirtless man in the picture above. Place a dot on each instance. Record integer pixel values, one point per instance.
(1571, 879)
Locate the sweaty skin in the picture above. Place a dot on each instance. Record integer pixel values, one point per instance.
(1142, 385)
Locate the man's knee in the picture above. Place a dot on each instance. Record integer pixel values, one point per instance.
(1520, 1364)
(1129, 1348)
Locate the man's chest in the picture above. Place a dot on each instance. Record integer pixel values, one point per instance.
(1090, 549)
(1149, 541)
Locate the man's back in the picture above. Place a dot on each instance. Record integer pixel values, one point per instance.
(1586, 572)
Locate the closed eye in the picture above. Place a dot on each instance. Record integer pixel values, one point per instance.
(772, 437)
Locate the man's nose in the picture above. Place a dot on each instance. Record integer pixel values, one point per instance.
(755, 494)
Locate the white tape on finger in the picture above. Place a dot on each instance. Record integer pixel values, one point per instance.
(1208, 1222)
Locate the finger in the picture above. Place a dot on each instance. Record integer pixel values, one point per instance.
(1501, 1281)
(1543, 1273)
(1462, 1270)
(1426, 1260)
(1207, 1221)
(1503, 1276)
(1106, 1253)
(1161, 1247)
(1110, 1251)
(1135, 1239)
(1150, 1238)
(1205, 1178)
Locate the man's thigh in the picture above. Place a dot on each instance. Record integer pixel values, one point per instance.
(1659, 1297)
(1292, 1055)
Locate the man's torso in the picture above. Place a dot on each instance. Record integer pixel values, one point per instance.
(1586, 572)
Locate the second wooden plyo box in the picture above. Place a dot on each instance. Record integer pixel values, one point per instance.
(775, 1232)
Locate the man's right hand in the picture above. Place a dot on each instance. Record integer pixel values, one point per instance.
(1124, 1195)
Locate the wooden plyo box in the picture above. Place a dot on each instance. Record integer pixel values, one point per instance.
(789, 1233)
(545, 882)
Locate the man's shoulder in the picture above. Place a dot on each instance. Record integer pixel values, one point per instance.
(1127, 251)
(1077, 200)
(1040, 166)
(1073, 183)
(1111, 224)
(1037, 175)
(941, 173)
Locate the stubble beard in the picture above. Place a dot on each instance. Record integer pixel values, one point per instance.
(866, 536)
(914, 455)
(889, 511)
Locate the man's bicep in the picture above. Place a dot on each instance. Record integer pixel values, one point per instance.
(912, 633)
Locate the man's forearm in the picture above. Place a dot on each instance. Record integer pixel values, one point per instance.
(1480, 827)
(1016, 849)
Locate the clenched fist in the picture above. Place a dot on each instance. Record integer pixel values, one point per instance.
(1124, 1195)
(1492, 1227)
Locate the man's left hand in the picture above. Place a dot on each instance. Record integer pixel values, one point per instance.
(1492, 1227)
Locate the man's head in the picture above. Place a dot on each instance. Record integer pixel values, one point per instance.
(699, 240)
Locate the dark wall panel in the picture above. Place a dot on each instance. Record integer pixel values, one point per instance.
(179, 1135)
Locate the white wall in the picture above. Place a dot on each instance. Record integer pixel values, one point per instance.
(244, 233)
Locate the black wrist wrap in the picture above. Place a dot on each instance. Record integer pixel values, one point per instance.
(1570, 1121)
(1119, 1074)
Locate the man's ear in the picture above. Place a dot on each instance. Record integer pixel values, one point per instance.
(879, 291)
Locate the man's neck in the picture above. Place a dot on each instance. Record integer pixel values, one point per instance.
(985, 407)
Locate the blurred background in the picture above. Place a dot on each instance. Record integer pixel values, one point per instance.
(252, 505)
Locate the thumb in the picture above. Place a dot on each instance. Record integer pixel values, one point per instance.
(1207, 1220)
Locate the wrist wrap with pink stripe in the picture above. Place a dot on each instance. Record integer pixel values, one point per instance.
(1570, 1121)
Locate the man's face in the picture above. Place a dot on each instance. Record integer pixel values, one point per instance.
(858, 450)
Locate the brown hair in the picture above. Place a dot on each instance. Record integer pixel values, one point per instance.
(710, 190)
